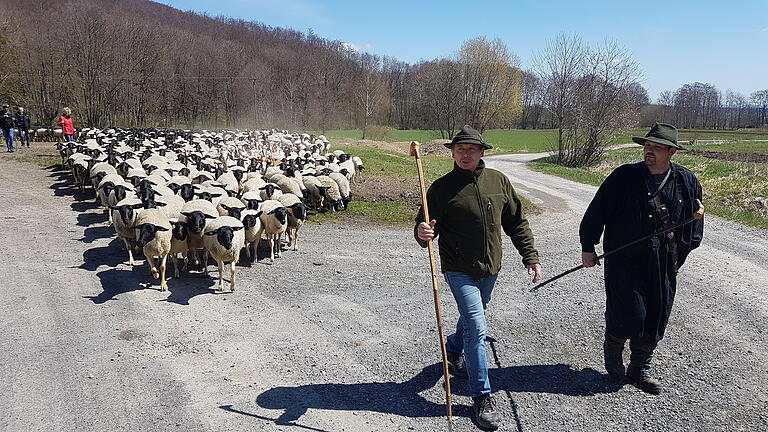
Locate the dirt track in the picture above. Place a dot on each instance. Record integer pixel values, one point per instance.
(90, 344)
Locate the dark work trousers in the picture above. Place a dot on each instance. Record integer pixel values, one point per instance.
(23, 137)
(640, 347)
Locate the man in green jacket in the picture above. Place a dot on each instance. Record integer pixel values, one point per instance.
(470, 206)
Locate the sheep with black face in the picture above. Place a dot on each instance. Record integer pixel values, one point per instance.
(153, 235)
(224, 239)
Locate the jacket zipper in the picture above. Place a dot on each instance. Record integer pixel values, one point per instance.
(482, 217)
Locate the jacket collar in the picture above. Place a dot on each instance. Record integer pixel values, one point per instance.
(470, 174)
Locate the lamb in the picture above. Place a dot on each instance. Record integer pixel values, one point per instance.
(348, 168)
(344, 191)
(333, 201)
(252, 224)
(179, 244)
(274, 221)
(123, 219)
(223, 240)
(297, 214)
(196, 214)
(153, 235)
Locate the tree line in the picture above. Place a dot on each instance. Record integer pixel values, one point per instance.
(138, 63)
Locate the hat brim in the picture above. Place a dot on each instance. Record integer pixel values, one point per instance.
(642, 140)
(485, 146)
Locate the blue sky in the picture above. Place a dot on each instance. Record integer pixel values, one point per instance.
(724, 43)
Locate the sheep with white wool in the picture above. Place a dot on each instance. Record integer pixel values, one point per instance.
(252, 224)
(153, 235)
(224, 238)
(231, 206)
(124, 220)
(297, 214)
(344, 190)
(270, 191)
(333, 196)
(179, 245)
(196, 214)
(274, 221)
(316, 191)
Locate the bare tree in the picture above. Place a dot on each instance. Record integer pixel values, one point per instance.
(560, 65)
(592, 94)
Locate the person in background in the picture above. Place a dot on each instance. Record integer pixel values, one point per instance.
(65, 123)
(23, 122)
(6, 124)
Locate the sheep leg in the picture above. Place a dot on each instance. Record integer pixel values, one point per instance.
(205, 262)
(175, 261)
(279, 244)
(221, 275)
(130, 251)
(232, 276)
(152, 269)
(271, 240)
(163, 285)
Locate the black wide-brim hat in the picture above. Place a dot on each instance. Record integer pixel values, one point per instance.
(660, 133)
(468, 135)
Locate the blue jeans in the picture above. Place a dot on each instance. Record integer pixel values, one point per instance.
(8, 135)
(472, 297)
(69, 138)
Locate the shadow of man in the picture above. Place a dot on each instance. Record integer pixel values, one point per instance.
(385, 397)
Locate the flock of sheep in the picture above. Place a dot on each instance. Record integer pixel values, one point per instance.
(180, 193)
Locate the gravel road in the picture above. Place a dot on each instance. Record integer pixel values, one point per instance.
(341, 336)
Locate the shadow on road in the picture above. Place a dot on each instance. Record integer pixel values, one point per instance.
(403, 398)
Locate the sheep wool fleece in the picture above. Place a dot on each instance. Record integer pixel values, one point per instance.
(471, 209)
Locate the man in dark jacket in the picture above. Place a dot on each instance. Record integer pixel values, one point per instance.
(470, 206)
(637, 200)
(23, 122)
(6, 124)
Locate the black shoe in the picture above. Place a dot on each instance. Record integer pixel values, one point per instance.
(456, 365)
(485, 415)
(640, 379)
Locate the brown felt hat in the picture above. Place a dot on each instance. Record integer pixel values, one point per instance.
(468, 135)
(660, 133)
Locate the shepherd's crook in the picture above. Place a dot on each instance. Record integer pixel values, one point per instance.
(697, 215)
(415, 152)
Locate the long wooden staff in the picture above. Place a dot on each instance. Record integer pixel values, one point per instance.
(435, 293)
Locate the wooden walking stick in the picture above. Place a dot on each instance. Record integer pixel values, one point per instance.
(435, 293)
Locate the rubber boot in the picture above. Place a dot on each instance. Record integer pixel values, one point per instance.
(613, 351)
(639, 364)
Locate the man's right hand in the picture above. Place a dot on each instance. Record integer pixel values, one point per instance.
(426, 231)
(589, 259)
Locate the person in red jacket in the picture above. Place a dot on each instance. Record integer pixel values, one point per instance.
(65, 123)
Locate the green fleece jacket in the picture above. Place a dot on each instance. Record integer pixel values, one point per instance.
(471, 208)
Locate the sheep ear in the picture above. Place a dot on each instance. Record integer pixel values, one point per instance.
(210, 217)
(159, 228)
(273, 211)
(225, 207)
(160, 204)
(215, 195)
(137, 206)
(214, 232)
(263, 187)
(259, 213)
(237, 228)
(187, 214)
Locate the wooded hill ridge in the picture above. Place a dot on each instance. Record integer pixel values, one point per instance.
(137, 63)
